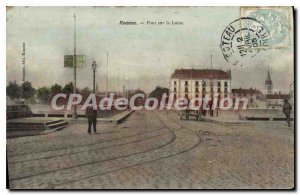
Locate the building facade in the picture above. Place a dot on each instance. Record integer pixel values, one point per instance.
(200, 83)
(255, 97)
(276, 100)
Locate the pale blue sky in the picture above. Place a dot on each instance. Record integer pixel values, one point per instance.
(146, 54)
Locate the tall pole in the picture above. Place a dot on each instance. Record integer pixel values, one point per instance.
(94, 66)
(192, 82)
(118, 81)
(23, 62)
(211, 76)
(74, 65)
(94, 89)
(106, 73)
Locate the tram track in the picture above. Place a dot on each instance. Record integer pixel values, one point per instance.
(91, 175)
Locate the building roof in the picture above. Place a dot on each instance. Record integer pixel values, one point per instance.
(246, 91)
(201, 74)
(278, 96)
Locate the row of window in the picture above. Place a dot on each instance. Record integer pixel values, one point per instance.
(203, 96)
(186, 90)
(203, 83)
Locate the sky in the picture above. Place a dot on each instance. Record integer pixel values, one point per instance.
(139, 56)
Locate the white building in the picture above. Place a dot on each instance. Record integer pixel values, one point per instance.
(194, 83)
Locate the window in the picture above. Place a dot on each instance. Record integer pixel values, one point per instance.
(204, 89)
(186, 96)
(175, 82)
(196, 89)
(225, 84)
(186, 83)
(197, 83)
(225, 90)
(197, 95)
(186, 89)
(219, 83)
(219, 90)
(175, 89)
(203, 83)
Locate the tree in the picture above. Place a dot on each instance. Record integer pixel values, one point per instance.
(55, 89)
(85, 92)
(68, 88)
(131, 92)
(43, 94)
(159, 91)
(13, 90)
(27, 91)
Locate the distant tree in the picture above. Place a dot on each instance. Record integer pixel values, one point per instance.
(13, 90)
(85, 92)
(131, 93)
(55, 89)
(68, 88)
(27, 91)
(159, 91)
(43, 94)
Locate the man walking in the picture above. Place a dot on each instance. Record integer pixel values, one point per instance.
(286, 109)
(91, 115)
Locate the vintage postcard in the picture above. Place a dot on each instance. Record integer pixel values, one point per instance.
(150, 97)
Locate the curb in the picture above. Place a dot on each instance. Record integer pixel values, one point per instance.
(225, 123)
(112, 119)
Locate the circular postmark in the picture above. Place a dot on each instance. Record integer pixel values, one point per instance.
(242, 40)
(276, 23)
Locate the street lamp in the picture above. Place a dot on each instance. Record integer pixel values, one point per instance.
(94, 66)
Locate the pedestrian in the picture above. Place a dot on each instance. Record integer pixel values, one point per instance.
(91, 115)
(218, 105)
(203, 108)
(210, 106)
(286, 109)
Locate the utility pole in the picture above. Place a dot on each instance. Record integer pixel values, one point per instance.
(118, 81)
(211, 77)
(106, 73)
(74, 66)
(23, 62)
(94, 66)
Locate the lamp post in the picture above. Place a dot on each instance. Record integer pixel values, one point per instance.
(94, 66)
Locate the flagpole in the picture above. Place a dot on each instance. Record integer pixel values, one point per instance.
(74, 66)
(106, 73)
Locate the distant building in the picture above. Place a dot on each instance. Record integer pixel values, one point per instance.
(268, 84)
(254, 96)
(197, 83)
(276, 100)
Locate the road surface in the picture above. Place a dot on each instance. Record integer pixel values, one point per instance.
(155, 150)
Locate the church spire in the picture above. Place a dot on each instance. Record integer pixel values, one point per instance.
(268, 83)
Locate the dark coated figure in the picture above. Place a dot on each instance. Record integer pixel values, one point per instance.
(91, 115)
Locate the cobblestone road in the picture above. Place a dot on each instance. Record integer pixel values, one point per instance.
(153, 149)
